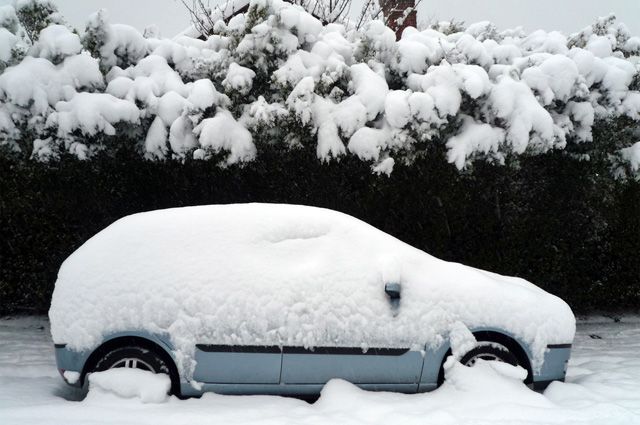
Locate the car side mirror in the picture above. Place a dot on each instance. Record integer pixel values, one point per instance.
(392, 290)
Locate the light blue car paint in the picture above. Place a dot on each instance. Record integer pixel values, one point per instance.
(292, 389)
(70, 360)
(358, 368)
(229, 367)
(292, 370)
(433, 358)
(555, 364)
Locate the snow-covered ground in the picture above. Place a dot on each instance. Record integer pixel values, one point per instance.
(603, 388)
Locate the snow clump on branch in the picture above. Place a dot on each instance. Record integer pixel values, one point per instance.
(276, 75)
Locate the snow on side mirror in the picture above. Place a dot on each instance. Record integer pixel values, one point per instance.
(392, 290)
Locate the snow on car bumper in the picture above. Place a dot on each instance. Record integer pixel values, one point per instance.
(554, 368)
(69, 361)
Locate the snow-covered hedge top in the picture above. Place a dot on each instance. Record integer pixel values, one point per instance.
(278, 76)
(272, 274)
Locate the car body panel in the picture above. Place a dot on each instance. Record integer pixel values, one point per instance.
(433, 357)
(233, 364)
(373, 366)
(69, 360)
(187, 390)
(554, 368)
(295, 370)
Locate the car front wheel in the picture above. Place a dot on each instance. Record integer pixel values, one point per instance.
(487, 350)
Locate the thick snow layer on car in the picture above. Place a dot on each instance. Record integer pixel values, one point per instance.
(269, 274)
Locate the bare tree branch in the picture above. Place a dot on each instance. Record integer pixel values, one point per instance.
(203, 18)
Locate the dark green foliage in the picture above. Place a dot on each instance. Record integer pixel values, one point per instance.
(95, 34)
(553, 220)
(36, 15)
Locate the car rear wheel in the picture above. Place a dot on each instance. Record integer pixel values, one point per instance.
(132, 357)
(135, 357)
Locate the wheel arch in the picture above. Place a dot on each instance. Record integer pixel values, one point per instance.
(501, 338)
(123, 340)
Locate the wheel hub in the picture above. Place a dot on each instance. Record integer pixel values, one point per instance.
(133, 363)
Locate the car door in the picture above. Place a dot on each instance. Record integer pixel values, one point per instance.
(237, 364)
(377, 368)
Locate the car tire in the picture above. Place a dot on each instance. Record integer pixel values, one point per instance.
(135, 357)
(487, 350)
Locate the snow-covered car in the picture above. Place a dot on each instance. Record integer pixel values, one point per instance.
(279, 299)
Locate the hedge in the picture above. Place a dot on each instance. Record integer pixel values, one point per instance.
(553, 220)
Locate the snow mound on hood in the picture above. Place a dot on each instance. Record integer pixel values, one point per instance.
(146, 386)
(284, 275)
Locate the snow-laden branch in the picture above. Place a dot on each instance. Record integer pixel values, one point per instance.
(278, 75)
